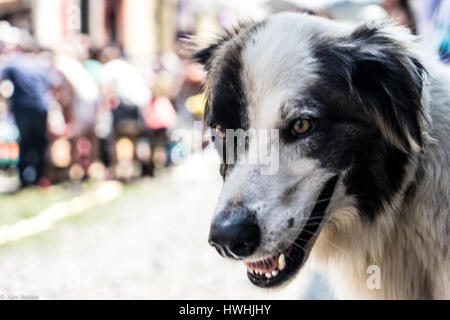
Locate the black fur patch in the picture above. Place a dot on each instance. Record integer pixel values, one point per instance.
(377, 71)
(364, 76)
(226, 103)
(291, 222)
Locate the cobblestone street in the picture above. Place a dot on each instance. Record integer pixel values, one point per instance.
(150, 243)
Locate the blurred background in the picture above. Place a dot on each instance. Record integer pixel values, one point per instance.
(97, 200)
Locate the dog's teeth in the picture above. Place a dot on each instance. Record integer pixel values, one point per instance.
(274, 273)
(281, 262)
(251, 271)
(268, 275)
(257, 272)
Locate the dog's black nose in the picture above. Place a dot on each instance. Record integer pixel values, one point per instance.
(236, 234)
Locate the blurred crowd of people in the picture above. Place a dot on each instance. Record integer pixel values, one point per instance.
(76, 111)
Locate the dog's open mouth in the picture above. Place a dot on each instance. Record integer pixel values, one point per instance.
(278, 269)
(273, 271)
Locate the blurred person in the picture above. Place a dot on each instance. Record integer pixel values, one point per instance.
(192, 86)
(81, 109)
(93, 65)
(30, 77)
(86, 93)
(9, 38)
(159, 117)
(125, 92)
(9, 138)
(433, 18)
(125, 88)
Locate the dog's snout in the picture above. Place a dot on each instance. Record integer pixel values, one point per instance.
(236, 234)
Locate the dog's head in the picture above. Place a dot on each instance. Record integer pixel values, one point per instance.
(339, 107)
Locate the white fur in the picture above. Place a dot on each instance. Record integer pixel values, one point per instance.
(409, 243)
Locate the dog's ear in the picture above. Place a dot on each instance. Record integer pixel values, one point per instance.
(205, 55)
(378, 65)
(389, 79)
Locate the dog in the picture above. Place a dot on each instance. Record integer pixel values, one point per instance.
(362, 188)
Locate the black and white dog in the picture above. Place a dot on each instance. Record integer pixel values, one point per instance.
(363, 177)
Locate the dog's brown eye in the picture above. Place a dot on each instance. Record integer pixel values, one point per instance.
(301, 127)
(221, 133)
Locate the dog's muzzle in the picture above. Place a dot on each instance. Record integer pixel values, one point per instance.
(235, 236)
